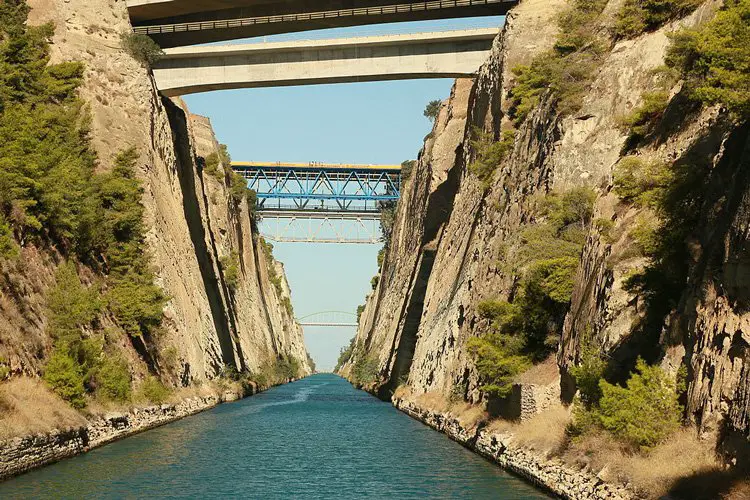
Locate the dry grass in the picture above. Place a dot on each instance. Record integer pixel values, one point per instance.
(468, 415)
(544, 432)
(652, 474)
(28, 406)
(403, 391)
(434, 401)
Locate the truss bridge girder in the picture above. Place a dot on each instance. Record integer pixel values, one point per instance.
(289, 226)
(321, 188)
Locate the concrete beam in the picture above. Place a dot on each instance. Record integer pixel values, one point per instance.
(450, 54)
(173, 23)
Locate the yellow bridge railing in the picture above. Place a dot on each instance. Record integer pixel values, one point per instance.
(327, 166)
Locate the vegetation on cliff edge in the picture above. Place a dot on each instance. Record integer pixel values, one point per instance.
(526, 328)
(51, 196)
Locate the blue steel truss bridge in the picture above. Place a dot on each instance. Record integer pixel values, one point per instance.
(321, 202)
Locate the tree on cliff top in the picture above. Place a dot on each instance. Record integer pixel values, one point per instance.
(142, 48)
(715, 58)
(432, 109)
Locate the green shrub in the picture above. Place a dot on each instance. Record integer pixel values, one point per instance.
(8, 245)
(267, 248)
(498, 358)
(585, 419)
(547, 258)
(133, 298)
(374, 281)
(276, 282)
(230, 266)
(365, 370)
(287, 368)
(71, 305)
(212, 166)
(360, 310)
(456, 395)
(407, 168)
(252, 207)
(224, 156)
(714, 58)
(286, 303)
(142, 48)
(574, 207)
(311, 362)
(46, 164)
(567, 70)
(387, 220)
(346, 353)
(262, 377)
(638, 16)
(154, 391)
(645, 412)
(113, 379)
(489, 153)
(642, 120)
(577, 25)
(381, 257)
(645, 233)
(605, 227)
(641, 182)
(63, 374)
(137, 303)
(589, 371)
(229, 372)
(238, 190)
(432, 110)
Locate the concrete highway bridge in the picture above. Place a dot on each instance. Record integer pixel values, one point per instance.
(448, 54)
(173, 23)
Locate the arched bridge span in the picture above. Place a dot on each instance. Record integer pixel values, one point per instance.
(329, 319)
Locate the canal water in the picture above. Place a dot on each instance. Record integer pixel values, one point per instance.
(315, 438)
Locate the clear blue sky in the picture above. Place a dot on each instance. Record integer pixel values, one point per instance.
(375, 122)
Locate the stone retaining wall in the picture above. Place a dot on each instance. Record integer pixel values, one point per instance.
(25, 453)
(549, 474)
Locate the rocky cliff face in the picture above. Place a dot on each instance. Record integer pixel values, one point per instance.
(193, 224)
(449, 246)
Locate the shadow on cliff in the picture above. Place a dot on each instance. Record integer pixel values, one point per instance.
(712, 485)
(192, 211)
(698, 209)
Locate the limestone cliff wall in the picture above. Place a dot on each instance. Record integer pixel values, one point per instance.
(448, 248)
(192, 222)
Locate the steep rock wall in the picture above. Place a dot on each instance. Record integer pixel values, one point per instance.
(466, 230)
(465, 251)
(191, 219)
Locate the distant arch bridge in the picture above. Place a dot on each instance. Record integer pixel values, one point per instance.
(329, 319)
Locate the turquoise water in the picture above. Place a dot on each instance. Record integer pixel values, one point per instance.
(316, 438)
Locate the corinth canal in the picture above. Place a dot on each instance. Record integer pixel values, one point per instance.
(316, 438)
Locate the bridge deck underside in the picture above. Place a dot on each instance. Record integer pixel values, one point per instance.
(177, 23)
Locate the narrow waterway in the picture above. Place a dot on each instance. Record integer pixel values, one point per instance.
(316, 438)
